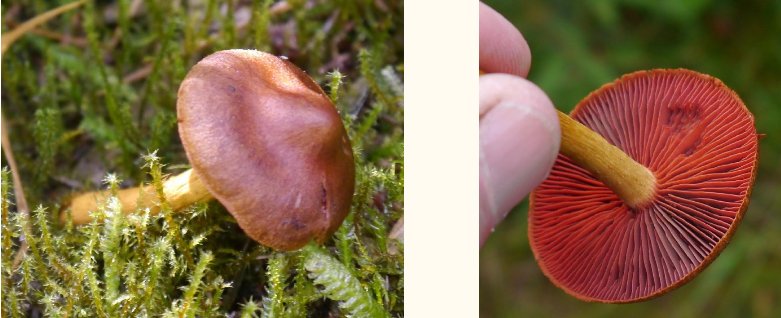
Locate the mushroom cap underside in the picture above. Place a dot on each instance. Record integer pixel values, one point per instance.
(269, 145)
(698, 138)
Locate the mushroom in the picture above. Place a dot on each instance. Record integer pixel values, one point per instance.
(653, 178)
(262, 138)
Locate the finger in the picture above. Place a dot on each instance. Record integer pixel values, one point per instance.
(519, 141)
(502, 47)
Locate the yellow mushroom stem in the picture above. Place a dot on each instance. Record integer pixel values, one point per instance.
(180, 191)
(630, 180)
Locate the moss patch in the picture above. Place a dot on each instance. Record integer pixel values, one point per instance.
(89, 99)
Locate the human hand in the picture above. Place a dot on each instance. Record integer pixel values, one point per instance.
(519, 128)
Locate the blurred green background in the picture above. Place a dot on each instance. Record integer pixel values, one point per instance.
(576, 49)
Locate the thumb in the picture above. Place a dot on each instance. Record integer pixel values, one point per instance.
(519, 141)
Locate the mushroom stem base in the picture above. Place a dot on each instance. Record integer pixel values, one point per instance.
(630, 180)
(180, 191)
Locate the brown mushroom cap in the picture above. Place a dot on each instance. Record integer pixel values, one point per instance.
(269, 145)
(698, 138)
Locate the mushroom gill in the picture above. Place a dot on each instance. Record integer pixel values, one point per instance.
(698, 139)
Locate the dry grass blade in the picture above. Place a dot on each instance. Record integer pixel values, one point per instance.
(11, 37)
(21, 202)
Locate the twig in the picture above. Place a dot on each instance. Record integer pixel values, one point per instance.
(138, 74)
(80, 42)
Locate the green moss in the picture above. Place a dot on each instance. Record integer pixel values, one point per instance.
(79, 119)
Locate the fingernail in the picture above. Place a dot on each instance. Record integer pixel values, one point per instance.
(518, 145)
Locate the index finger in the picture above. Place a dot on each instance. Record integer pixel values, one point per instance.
(502, 47)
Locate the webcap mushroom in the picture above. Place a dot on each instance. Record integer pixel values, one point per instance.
(653, 178)
(263, 139)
